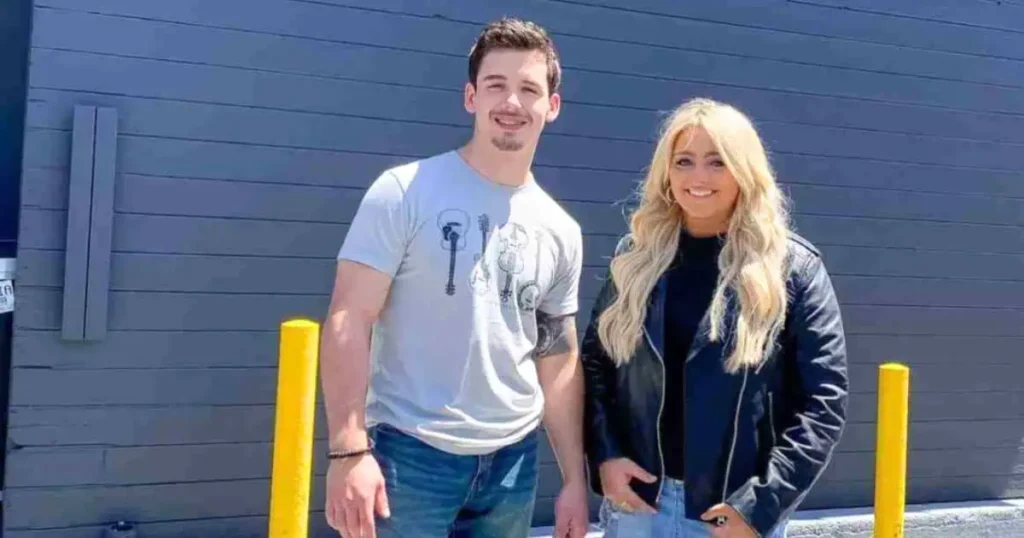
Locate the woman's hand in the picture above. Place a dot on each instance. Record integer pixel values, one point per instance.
(615, 476)
(732, 523)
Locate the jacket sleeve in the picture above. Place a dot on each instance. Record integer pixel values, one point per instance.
(805, 448)
(600, 443)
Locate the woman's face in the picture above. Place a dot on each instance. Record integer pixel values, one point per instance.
(701, 184)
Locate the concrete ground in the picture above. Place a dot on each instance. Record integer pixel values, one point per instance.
(988, 519)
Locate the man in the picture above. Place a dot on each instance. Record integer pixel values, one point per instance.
(455, 296)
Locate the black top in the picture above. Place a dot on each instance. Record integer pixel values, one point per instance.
(691, 284)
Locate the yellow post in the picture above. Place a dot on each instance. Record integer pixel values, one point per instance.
(891, 450)
(295, 416)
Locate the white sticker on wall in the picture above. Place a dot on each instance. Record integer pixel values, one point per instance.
(6, 296)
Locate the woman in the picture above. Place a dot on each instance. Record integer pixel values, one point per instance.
(715, 357)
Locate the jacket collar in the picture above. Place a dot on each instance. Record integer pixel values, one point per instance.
(654, 322)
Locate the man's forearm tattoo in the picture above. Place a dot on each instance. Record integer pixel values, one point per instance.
(555, 334)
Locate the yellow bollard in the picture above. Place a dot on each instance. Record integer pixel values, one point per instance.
(295, 416)
(891, 450)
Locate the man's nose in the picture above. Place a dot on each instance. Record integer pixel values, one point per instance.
(513, 99)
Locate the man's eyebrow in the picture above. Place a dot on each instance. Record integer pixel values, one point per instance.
(495, 77)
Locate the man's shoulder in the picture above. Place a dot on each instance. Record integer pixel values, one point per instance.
(554, 213)
(406, 173)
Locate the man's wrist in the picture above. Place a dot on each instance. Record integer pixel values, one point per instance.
(349, 439)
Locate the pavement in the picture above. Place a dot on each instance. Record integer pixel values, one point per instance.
(984, 519)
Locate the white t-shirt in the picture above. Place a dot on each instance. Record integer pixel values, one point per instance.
(472, 261)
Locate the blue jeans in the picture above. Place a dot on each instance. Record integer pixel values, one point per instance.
(435, 494)
(669, 522)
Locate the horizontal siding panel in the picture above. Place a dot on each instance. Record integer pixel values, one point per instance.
(933, 320)
(125, 466)
(147, 38)
(110, 425)
(233, 527)
(1007, 461)
(831, 20)
(591, 112)
(92, 505)
(178, 119)
(446, 27)
(191, 273)
(888, 291)
(47, 188)
(45, 230)
(223, 386)
(919, 491)
(962, 377)
(40, 308)
(233, 274)
(217, 160)
(956, 406)
(178, 311)
(33, 508)
(924, 350)
(624, 25)
(940, 435)
(255, 386)
(1001, 15)
(191, 349)
(193, 424)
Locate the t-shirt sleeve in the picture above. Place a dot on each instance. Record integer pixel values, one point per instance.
(563, 297)
(378, 234)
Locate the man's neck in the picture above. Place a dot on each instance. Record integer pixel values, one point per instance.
(510, 168)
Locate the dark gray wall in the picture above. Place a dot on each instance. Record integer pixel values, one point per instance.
(248, 134)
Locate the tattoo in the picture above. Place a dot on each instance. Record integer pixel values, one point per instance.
(555, 334)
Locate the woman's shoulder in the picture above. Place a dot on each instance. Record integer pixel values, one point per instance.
(805, 260)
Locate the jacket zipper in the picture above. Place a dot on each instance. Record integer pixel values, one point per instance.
(771, 418)
(735, 434)
(661, 407)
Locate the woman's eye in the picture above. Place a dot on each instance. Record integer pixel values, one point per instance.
(717, 163)
(685, 161)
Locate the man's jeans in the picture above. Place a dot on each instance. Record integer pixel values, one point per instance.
(435, 494)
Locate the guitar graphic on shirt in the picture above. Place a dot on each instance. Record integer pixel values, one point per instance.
(510, 259)
(453, 224)
(483, 273)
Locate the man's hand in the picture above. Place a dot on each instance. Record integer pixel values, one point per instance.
(615, 477)
(732, 523)
(355, 490)
(572, 517)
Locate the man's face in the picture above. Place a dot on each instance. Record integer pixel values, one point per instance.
(511, 101)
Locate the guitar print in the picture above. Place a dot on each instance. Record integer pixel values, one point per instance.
(453, 224)
(510, 259)
(484, 273)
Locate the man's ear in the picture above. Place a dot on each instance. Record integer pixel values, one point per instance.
(469, 98)
(556, 107)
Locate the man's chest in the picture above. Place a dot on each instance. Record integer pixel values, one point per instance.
(499, 256)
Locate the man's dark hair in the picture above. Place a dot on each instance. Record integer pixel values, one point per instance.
(515, 34)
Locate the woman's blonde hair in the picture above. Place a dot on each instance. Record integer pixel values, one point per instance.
(751, 264)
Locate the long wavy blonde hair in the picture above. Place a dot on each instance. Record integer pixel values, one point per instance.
(751, 264)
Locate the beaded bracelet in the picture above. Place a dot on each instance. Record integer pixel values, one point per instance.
(342, 454)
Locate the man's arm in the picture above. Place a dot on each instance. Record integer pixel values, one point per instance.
(356, 302)
(561, 379)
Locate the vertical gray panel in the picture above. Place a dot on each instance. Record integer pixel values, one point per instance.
(76, 256)
(101, 223)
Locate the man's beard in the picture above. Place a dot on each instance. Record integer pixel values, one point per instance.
(507, 143)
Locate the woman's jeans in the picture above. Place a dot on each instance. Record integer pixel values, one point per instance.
(669, 522)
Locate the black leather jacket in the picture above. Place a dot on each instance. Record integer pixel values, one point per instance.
(757, 440)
